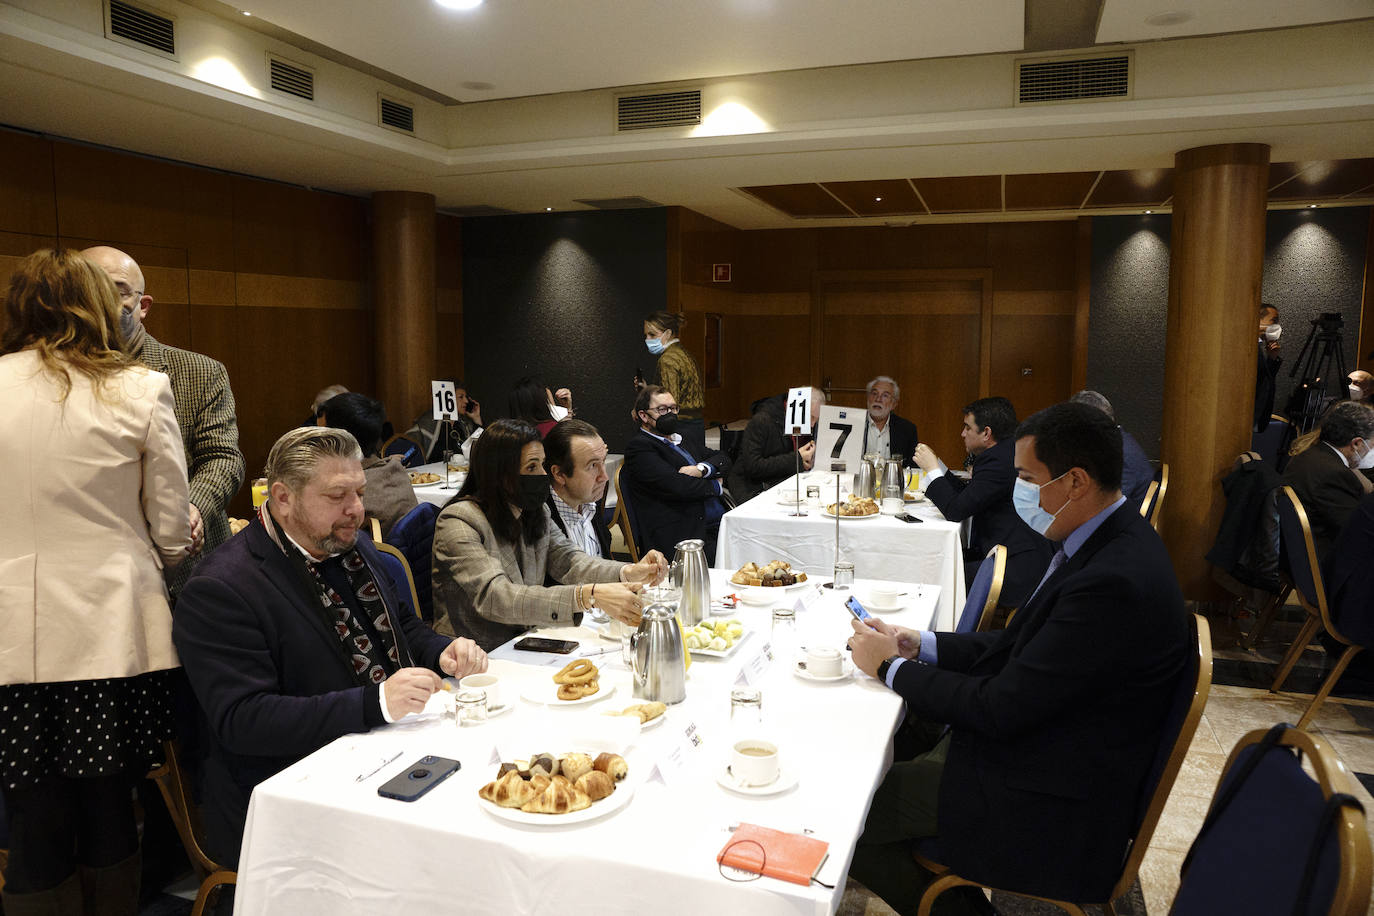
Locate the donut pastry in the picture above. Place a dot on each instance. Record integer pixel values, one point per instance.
(613, 765)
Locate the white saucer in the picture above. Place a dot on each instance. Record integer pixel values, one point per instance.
(548, 696)
(846, 671)
(884, 608)
(787, 779)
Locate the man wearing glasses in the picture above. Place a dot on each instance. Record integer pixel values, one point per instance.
(885, 432)
(673, 487)
(204, 409)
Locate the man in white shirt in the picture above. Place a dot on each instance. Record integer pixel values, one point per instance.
(575, 457)
(886, 433)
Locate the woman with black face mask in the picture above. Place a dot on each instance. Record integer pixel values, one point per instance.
(494, 548)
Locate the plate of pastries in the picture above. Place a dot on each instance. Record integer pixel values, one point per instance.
(550, 789)
(421, 478)
(854, 507)
(776, 574)
(576, 683)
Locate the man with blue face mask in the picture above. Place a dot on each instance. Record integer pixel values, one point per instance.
(1051, 724)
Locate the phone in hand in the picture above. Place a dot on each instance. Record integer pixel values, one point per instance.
(908, 518)
(418, 778)
(544, 644)
(857, 609)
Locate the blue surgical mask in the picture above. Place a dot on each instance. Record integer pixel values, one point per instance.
(654, 344)
(1025, 496)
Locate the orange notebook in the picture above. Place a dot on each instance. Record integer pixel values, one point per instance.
(789, 856)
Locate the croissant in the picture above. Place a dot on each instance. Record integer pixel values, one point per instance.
(558, 798)
(574, 765)
(613, 765)
(596, 784)
(510, 791)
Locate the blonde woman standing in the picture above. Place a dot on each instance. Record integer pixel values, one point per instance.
(95, 499)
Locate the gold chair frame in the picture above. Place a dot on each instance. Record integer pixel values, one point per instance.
(622, 518)
(1202, 684)
(410, 576)
(171, 780)
(1152, 505)
(999, 570)
(1317, 617)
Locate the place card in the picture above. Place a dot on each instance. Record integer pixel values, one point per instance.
(757, 665)
(808, 598)
(669, 768)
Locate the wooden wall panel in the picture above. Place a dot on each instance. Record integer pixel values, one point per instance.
(209, 201)
(1033, 255)
(117, 198)
(27, 202)
(1041, 343)
(282, 230)
(772, 354)
(910, 248)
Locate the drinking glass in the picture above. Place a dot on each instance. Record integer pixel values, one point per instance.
(746, 710)
(844, 575)
(784, 633)
(470, 707)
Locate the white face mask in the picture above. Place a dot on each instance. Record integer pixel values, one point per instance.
(1355, 392)
(1367, 459)
(1273, 332)
(559, 413)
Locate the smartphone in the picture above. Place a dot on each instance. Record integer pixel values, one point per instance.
(913, 519)
(856, 608)
(418, 778)
(543, 644)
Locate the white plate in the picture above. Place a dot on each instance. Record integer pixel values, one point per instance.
(850, 518)
(792, 500)
(767, 589)
(548, 695)
(609, 805)
(655, 722)
(720, 653)
(846, 671)
(787, 779)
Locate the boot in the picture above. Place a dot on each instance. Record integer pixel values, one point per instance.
(63, 900)
(113, 889)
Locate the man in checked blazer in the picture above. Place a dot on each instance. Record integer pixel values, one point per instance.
(204, 410)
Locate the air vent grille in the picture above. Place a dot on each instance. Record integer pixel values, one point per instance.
(661, 109)
(1073, 80)
(396, 114)
(293, 79)
(619, 203)
(142, 27)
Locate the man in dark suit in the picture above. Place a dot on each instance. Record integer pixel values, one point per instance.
(986, 498)
(1267, 363)
(292, 634)
(575, 458)
(1326, 476)
(767, 456)
(1136, 470)
(674, 490)
(1053, 723)
(1349, 579)
(885, 432)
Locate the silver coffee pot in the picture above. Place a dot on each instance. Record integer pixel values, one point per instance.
(894, 478)
(660, 673)
(866, 478)
(691, 577)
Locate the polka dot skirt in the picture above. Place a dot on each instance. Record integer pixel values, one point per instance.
(84, 728)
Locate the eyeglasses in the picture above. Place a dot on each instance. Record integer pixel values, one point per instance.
(126, 292)
(878, 395)
(662, 409)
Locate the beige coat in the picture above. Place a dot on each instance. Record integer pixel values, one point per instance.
(94, 502)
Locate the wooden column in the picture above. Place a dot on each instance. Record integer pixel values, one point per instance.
(1215, 262)
(403, 277)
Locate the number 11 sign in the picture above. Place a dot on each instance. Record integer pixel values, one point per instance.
(796, 420)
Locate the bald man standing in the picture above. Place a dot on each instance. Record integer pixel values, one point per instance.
(204, 409)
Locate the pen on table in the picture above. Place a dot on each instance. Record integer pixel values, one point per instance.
(591, 652)
(373, 772)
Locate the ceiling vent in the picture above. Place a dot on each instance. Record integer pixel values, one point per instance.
(661, 109)
(1073, 79)
(139, 26)
(396, 115)
(291, 78)
(478, 210)
(620, 203)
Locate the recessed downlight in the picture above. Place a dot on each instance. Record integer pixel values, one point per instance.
(462, 5)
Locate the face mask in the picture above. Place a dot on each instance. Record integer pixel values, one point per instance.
(1367, 459)
(655, 345)
(130, 327)
(666, 425)
(1355, 392)
(534, 491)
(1025, 496)
(1273, 332)
(558, 413)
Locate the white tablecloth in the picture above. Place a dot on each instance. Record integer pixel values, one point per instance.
(441, 492)
(882, 547)
(320, 842)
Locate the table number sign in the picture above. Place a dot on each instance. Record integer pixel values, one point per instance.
(670, 766)
(753, 670)
(796, 420)
(840, 437)
(445, 400)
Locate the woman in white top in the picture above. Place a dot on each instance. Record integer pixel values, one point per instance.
(95, 503)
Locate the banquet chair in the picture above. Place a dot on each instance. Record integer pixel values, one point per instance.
(394, 562)
(624, 518)
(1148, 500)
(1275, 839)
(411, 453)
(1190, 697)
(1153, 503)
(984, 592)
(413, 536)
(1271, 443)
(174, 784)
(1306, 577)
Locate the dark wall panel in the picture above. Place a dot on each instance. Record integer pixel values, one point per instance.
(563, 297)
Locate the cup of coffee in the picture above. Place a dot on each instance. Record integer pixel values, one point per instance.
(754, 762)
(488, 683)
(884, 595)
(824, 662)
(892, 505)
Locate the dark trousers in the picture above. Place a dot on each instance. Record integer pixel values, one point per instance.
(58, 824)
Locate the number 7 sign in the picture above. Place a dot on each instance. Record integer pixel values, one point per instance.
(836, 439)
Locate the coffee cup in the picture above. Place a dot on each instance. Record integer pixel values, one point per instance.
(884, 596)
(824, 662)
(892, 505)
(754, 762)
(487, 682)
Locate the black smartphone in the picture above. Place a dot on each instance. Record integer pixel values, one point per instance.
(544, 644)
(911, 519)
(418, 778)
(857, 609)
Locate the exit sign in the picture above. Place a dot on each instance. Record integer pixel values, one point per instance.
(720, 273)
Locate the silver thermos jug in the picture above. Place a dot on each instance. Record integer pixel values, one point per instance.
(691, 577)
(660, 673)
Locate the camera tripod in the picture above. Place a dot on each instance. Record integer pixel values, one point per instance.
(1322, 347)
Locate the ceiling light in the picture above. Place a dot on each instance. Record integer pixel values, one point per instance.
(459, 4)
(1149, 211)
(548, 209)
(1311, 206)
(877, 200)
(246, 13)
(1172, 17)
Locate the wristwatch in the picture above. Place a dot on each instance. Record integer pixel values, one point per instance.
(884, 665)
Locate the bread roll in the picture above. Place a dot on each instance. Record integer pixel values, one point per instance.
(596, 784)
(574, 765)
(613, 765)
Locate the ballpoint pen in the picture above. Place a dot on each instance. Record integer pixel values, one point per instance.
(373, 772)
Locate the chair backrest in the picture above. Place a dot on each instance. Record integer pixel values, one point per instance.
(394, 562)
(984, 592)
(1157, 502)
(1190, 697)
(1271, 826)
(1270, 442)
(411, 453)
(175, 786)
(624, 517)
(413, 535)
(1147, 503)
(1295, 539)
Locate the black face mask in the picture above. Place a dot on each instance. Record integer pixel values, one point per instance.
(666, 425)
(534, 491)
